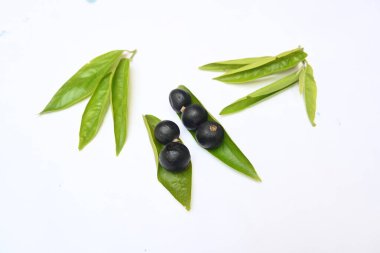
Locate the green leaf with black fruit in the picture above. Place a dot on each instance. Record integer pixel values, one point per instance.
(227, 152)
(177, 183)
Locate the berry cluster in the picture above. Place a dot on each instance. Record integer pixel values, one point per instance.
(174, 156)
(209, 134)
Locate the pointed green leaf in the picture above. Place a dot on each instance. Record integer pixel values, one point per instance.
(286, 53)
(119, 95)
(251, 66)
(261, 94)
(284, 61)
(310, 94)
(177, 183)
(232, 64)
(228, 152)
(302, 80)
(276, 86)
(95, 111)
(83, 83)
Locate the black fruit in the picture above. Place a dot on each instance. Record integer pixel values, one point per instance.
(179, 98)
(193, 116)
(210, 135)
(174, 156)
(166, 131)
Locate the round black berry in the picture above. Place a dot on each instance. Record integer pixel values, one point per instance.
(166, 131)
(174, 156)
(179, 98)
(193, 116)
(210, 135)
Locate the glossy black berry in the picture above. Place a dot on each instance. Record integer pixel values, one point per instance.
(166, 131)
(174, 156)
(179, 98)
(210, 135)
(193, 116)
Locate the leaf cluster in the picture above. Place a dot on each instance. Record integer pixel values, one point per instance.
(105, 79)
(245, 70)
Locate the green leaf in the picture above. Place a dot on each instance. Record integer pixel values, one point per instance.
(119, 95)
(286, 53)
(228, 152)
(261, 94)
(282, 62)
(95, 111)
(310, 93)
(254, 65)
(302, 80)
(83, 83)
(177, 183)
(232, 64)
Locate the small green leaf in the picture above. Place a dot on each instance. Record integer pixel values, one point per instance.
(282, 62)
(286, 53)
(177, 183)
(310, 94)
(232, 64)
(119, 95)
(261, 94)
(228, 152)
(251, 66)
(301, 80)
(95, 111)
(83, 83)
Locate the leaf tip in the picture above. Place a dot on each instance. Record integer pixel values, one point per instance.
(183, 87)
(203, 67)
(223, 79)
(45, 110)
(253, 174)
(257, 179)
(119, 148)
(82, 144)
(228, 110)
(223, 112)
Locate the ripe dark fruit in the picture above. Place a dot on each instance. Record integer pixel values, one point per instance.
(210, 135)
(166, 131)
(193, 116)
(174, 156)
(179, 98)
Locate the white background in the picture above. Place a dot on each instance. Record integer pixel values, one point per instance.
(320, 190)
